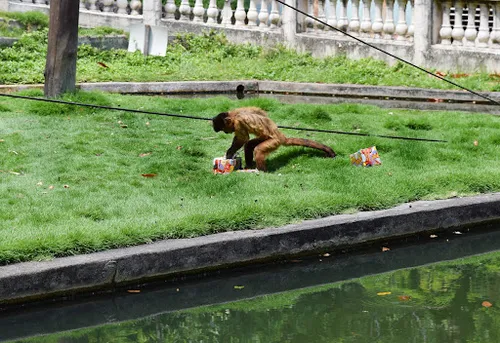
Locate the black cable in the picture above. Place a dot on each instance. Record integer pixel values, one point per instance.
(388, 53)
(204, 118)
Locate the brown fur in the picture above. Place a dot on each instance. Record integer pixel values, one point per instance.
(248, 121)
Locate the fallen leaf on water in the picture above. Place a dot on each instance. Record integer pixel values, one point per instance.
(383, 293)
(239, 287)
(149, 175)
(404, 297)
(385, 249)
(133, 290)
(487, 304)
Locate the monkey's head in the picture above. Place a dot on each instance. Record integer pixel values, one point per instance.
(221, 122)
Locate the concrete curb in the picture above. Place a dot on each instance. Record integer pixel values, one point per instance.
(291, 92)
(25, 282)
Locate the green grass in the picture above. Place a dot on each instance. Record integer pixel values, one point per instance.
(71, 178)
(211, 57)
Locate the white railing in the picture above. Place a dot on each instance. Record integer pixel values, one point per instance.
(363, 18)
(470, 24)
(442, 34)
(265, 14)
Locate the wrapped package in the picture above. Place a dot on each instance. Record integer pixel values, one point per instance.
(366, 157)
(222, 165)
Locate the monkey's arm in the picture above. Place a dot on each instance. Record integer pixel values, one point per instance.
(238, 142)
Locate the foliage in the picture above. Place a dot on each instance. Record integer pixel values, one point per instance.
(210, 56)
(29, 20)
(100, 155)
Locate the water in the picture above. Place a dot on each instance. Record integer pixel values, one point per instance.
(401, 295)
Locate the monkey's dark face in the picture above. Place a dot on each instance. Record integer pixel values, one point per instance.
(221, 123)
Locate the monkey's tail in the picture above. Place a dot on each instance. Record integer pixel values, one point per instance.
(310, 144)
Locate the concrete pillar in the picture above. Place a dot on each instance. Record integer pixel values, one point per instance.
(289, 23)
(423, 30)
(151, 12)
(4, 5)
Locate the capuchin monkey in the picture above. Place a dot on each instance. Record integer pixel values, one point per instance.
(253, 120)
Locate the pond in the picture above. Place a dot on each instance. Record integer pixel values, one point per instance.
(401, 294)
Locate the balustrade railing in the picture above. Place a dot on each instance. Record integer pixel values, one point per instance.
(377, 19)
(470, 24)
(258, 13)
(469, 29)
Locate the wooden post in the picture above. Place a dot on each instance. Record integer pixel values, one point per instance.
(60, 67)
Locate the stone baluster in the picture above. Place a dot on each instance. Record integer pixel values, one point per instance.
(401, 26)
(107, 5)
(240, 14)
(198, 11)
(93, 5)
(227, 14)
(274, 17)
(185, 10)
(366, 23)
(445, 32)
(332, 15)
(212, 12)
(483, 36)
(495, 33)
(252, 14)
(470, 30)
(170, 9)
(458, 31)
(378, 24)
(354, 23)
(321, 16)
(122, 6)
(135, 7)
(389, 27)
(310, 23)
(343, 22)
(411, 27)
(263, 14)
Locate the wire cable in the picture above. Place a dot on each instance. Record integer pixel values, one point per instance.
(204, 118)
(388, 53)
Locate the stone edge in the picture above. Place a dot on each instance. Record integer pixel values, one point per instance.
(32, 281)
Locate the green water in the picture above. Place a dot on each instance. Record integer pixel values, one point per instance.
(440, 302)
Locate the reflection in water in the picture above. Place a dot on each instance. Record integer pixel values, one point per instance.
(434, 303)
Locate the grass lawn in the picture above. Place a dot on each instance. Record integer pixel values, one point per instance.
(71, 178)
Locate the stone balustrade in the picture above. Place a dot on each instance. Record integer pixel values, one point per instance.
(470, 24)
(449, 35)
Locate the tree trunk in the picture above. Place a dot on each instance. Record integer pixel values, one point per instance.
(60, 67)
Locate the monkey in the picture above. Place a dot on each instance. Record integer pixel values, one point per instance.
(253, 120)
